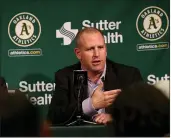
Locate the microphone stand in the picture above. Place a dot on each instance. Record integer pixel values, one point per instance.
(80, 121)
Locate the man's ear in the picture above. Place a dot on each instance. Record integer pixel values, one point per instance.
(77, 53)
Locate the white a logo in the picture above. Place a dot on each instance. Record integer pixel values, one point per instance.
(66, 33)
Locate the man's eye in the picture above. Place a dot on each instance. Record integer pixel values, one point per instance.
(101, 47)
(90, 49)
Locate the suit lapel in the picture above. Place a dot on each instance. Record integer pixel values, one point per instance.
(111, 81)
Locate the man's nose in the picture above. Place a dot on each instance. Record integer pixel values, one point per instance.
(96, 52)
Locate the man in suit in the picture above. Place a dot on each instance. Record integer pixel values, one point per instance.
(105, 81)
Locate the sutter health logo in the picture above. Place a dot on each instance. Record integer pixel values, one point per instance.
(24, 29)
(112, 34)
(66, 33)
(152, 23)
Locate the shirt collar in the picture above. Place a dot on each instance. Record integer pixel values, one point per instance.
(104, 73)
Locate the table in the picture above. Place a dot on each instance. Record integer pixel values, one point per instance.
(82, 131)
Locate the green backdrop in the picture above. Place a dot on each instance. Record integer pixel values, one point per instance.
(136, 32)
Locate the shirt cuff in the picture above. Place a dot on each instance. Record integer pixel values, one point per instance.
(88, 108)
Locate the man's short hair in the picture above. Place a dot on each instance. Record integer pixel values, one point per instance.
(141, 110)
(19, 117)
(86, 30)
(2, 81)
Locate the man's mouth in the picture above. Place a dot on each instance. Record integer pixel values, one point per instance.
(96, 62)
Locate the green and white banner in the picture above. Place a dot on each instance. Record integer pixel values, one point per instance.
(37, 39)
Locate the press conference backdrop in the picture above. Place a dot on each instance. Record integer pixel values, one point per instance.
(37, 39)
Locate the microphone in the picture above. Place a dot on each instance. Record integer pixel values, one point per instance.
(80, 79)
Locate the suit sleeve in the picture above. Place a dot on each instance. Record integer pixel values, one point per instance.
(62, 107)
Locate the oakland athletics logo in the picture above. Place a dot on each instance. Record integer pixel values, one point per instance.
(24, 29)
(152, 23)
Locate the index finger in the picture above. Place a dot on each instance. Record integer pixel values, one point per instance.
(111, 92)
